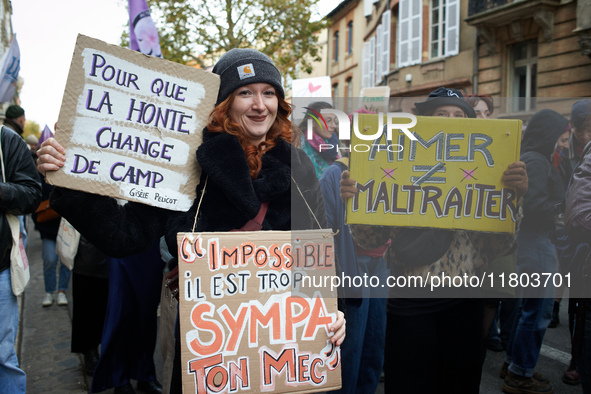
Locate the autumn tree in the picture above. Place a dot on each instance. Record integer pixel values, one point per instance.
(200, 31)
(31, 127)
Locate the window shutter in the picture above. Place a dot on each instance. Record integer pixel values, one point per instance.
(452, 27)
(365, 66)
(416, 34)
(403, 33)
(367, 7)
(372, 60)
(386, 16)
(379, 39)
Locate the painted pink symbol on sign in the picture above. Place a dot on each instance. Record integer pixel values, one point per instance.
(388, 172)
(469, 174)
(313, 88)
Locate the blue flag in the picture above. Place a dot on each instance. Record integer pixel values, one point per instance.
(11, 65)
(143, 35)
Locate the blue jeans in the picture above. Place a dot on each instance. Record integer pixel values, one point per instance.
(362, 351)
(504, 320)
(12, 378)
(50, 262)
(535, 253)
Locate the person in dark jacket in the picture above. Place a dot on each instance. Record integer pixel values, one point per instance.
(20, 194)
(580, 120)
(579, 137)
(246, 159)
(14, 118)
(577, 219)
(536, 253)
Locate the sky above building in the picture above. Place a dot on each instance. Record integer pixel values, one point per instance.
(46, 32)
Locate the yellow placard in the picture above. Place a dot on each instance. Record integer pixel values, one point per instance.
(450, 177)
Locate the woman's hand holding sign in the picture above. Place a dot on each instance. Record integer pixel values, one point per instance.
(51, 156)
(339, 329)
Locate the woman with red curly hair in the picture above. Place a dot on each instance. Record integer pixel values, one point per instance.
(246, 159)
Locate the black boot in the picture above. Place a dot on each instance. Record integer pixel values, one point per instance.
(555, 318)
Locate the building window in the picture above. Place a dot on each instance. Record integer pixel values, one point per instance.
(444, 28)
(350, 37)
(410, 27)
(335, 90)
(524, 81)
(336, 46)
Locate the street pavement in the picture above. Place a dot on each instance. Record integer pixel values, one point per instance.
(45, 335)
(44, 344)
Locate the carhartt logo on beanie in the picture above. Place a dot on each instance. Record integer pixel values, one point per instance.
(246, 71)
(241, 66)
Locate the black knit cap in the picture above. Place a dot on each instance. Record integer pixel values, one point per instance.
(14, 111)
(445, 96)
(241, 66)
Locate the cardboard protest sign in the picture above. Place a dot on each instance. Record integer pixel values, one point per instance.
(251, 319)
(307, 91)
(450, 177)
(375, 99)
(131, 124)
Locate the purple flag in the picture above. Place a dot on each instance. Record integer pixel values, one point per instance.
(143, 35)
(11, 65)
(45, 134)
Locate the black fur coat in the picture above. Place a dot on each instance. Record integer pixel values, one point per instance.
(231, 199)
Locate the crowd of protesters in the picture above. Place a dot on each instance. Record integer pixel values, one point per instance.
(251, 161)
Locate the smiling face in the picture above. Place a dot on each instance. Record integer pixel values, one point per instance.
(562, 142)
(331, 121)
(254, 108)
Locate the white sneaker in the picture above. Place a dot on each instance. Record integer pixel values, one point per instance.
(61, 299)
(47, 300)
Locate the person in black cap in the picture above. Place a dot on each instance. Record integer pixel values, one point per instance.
(247, 160)
(15, 118)
(437, 337)
(445, 102)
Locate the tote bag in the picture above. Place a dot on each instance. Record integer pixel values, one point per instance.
(66, 245)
